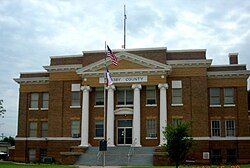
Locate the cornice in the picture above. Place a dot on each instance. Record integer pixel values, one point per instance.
(126, 72)
(231, 74)
(190, 63)
(35, 80)
(62, 68)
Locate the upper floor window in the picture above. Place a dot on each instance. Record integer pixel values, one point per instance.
(75, 95)
(230, 127)
(75, 128)
(45, 129)
(214, 96)
(99, 96)
(151, 95)
(177, 92)
(125, 96)
(99, 128)
(34, 97)
(151, 128)
(33, 129)
(45, 100)
(215, 127)
(228, 96)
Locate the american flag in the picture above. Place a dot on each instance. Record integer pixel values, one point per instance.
(112, 56)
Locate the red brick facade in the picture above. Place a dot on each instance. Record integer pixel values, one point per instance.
(190, 67)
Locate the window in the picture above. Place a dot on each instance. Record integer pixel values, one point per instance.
(214, 96)
(216, 156)
(99, 96)
(75, 95)
(151, 95)
(45, 100)
(125, 96)
(43, 154)
(228, 96)
(177, 122)
(99, 128)
(34, 100)
(231, 156)
(75, 128)
(151, 128)
(33, 129)
(230, 127)
(177, 92)
(32, 155)
(215, 124)
(44, 129)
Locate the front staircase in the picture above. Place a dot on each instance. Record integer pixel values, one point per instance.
(117, 156)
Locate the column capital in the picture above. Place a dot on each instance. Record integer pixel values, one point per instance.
(163, 86)
(136, 86)
(111, 87)
(85, 88)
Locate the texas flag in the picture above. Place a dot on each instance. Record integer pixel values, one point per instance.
(109, 79)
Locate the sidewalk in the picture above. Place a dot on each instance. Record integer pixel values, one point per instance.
(99, 166)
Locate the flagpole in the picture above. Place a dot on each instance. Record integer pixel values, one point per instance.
(105, 102)
(124, 28)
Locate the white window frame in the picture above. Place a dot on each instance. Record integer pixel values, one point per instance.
(45, 101)
(75, 128)
(212, 97)
(151, 125)
(75, 90)
(99, 96)
(34, 101)
(229, 96)
(177, 89)
(99, 123)
(33, 129)
(231, 129)
(44, 129)
(151, 95)
(125, 91)
(212, 129)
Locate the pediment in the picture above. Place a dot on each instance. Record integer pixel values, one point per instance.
(128, 63)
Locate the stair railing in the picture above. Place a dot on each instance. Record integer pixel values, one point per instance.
(132, 149)
(98, 156)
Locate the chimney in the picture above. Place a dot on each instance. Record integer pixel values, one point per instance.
(233, 58)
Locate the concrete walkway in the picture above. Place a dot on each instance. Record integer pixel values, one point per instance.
(99, 166)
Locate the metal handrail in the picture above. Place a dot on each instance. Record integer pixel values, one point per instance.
(132, 149)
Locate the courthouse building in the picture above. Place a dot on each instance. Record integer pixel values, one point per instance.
(152, 87)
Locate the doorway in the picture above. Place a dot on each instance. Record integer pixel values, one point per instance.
(124, 132)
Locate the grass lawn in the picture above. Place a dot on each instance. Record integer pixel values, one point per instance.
(23, 165)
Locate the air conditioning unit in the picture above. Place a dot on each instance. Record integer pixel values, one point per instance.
(75, 135)
(205, 155)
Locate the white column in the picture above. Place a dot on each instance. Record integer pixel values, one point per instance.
(85, 116)
(110, 116)
(163, 111)
(136, 117)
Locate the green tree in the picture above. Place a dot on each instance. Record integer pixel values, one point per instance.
(2, 110)
(9, 139)
(179, 142)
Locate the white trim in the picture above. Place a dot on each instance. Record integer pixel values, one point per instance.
(66, 56)
(231, 74)
(229, 105)
(32, 80)
(176, 105)
(151, 105)
(188, 50)
(98, 138)
(123, 111)
(149, 138)
(45, 108)
(97, 106)
(75, 107)
(190, 63)
(34, 108)
(215, 105)
(62, 68)
(78, 139)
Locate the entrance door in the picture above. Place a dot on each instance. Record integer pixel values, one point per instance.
(124, 132)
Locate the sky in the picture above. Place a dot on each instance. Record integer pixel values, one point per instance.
(33, 30)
